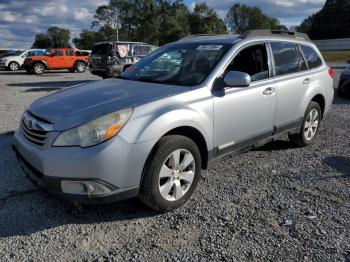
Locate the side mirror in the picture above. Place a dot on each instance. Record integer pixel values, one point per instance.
(237, 79)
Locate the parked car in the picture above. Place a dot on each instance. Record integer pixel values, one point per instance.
(344, 82)
(150, 132)
(57, 58)
(110, 59)
(16, 61)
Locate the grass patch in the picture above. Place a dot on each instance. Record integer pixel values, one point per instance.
(336, 56)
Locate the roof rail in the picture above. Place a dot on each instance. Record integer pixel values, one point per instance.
(284, 33)
(198, 35)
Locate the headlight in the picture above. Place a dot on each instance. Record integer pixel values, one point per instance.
(96, 131)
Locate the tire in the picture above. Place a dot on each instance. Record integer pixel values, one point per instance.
(13, 66)
(80, 67)
(310, 126)
(178, 182)
(38, 69)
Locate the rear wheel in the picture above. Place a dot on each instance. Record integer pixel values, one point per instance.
(13, 66)
(171, 173)
(38, 68)
(310, 126)
(80, 67)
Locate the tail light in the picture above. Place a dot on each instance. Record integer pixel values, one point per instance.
(331, 72)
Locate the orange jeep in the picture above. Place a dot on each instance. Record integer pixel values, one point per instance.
(57, 58)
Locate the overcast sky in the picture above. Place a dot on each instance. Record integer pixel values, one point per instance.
(20, 20)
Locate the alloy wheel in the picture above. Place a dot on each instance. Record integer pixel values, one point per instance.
(13, 66)
(176, 175)
(311, 124)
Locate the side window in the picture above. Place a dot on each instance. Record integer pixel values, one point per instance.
(311, 56)
(253, 61)
(286, 58)
(58, 52)
(302, 63)
(69, 52)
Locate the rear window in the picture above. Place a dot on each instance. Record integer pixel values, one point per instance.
(311, 56)
(141, 50)
(286, 58)
(102, 49)
(69, 52)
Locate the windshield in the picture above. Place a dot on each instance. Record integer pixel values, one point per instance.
(180, 64)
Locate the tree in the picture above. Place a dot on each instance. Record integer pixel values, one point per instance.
(204, 20)
(242, 18)
(55, 37)
(59, 37)
(155, 21)
(332, 21)
(86, 40)
(41, 41)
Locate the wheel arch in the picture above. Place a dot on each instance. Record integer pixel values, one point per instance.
(197, 137)
(41, 62)
(320, 99)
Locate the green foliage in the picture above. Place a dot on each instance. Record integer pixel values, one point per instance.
(333, 21)
(204, 20)
(241, 18)
(86, 40)
(41, 41)
(154, 21)
(55, 37)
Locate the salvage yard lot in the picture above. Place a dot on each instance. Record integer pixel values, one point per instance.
(275, 203)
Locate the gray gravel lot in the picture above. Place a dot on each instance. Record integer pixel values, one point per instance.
(277, 203)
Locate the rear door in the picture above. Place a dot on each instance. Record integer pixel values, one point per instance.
(70, 58)
(292, 81)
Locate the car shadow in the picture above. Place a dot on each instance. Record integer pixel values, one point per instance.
(51, 84)
(277, 145)
(24, 72)
(26, 209)
(341, 164)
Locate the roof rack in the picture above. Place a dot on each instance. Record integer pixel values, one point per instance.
(284, 33)
(198, 35)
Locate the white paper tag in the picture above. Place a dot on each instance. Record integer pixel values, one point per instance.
(209, 47)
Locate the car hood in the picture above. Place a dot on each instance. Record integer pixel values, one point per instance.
(9, 57)
(80, 104)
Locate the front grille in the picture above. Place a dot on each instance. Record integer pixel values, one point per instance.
(36, 137)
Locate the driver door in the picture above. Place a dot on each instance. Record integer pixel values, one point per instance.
(245, 115)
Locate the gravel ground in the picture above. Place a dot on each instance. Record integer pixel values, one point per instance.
(277, 203)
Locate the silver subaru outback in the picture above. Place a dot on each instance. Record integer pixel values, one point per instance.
(150, 132)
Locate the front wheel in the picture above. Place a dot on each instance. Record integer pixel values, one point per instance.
(14, 66)
(310, 126)
(80, 67)
(171, 173)
(38, 68)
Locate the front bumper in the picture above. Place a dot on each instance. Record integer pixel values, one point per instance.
(3, 64)
(115, 164)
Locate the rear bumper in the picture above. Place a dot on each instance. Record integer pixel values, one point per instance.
(107, 71)
(344, 83)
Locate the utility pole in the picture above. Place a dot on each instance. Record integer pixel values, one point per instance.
(115, 21)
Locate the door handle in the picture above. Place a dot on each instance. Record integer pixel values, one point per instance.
(269, 91)
(307, 81)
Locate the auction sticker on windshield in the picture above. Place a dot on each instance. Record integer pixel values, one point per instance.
(209, 47)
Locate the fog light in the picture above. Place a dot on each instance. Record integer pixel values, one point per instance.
(88, 188)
